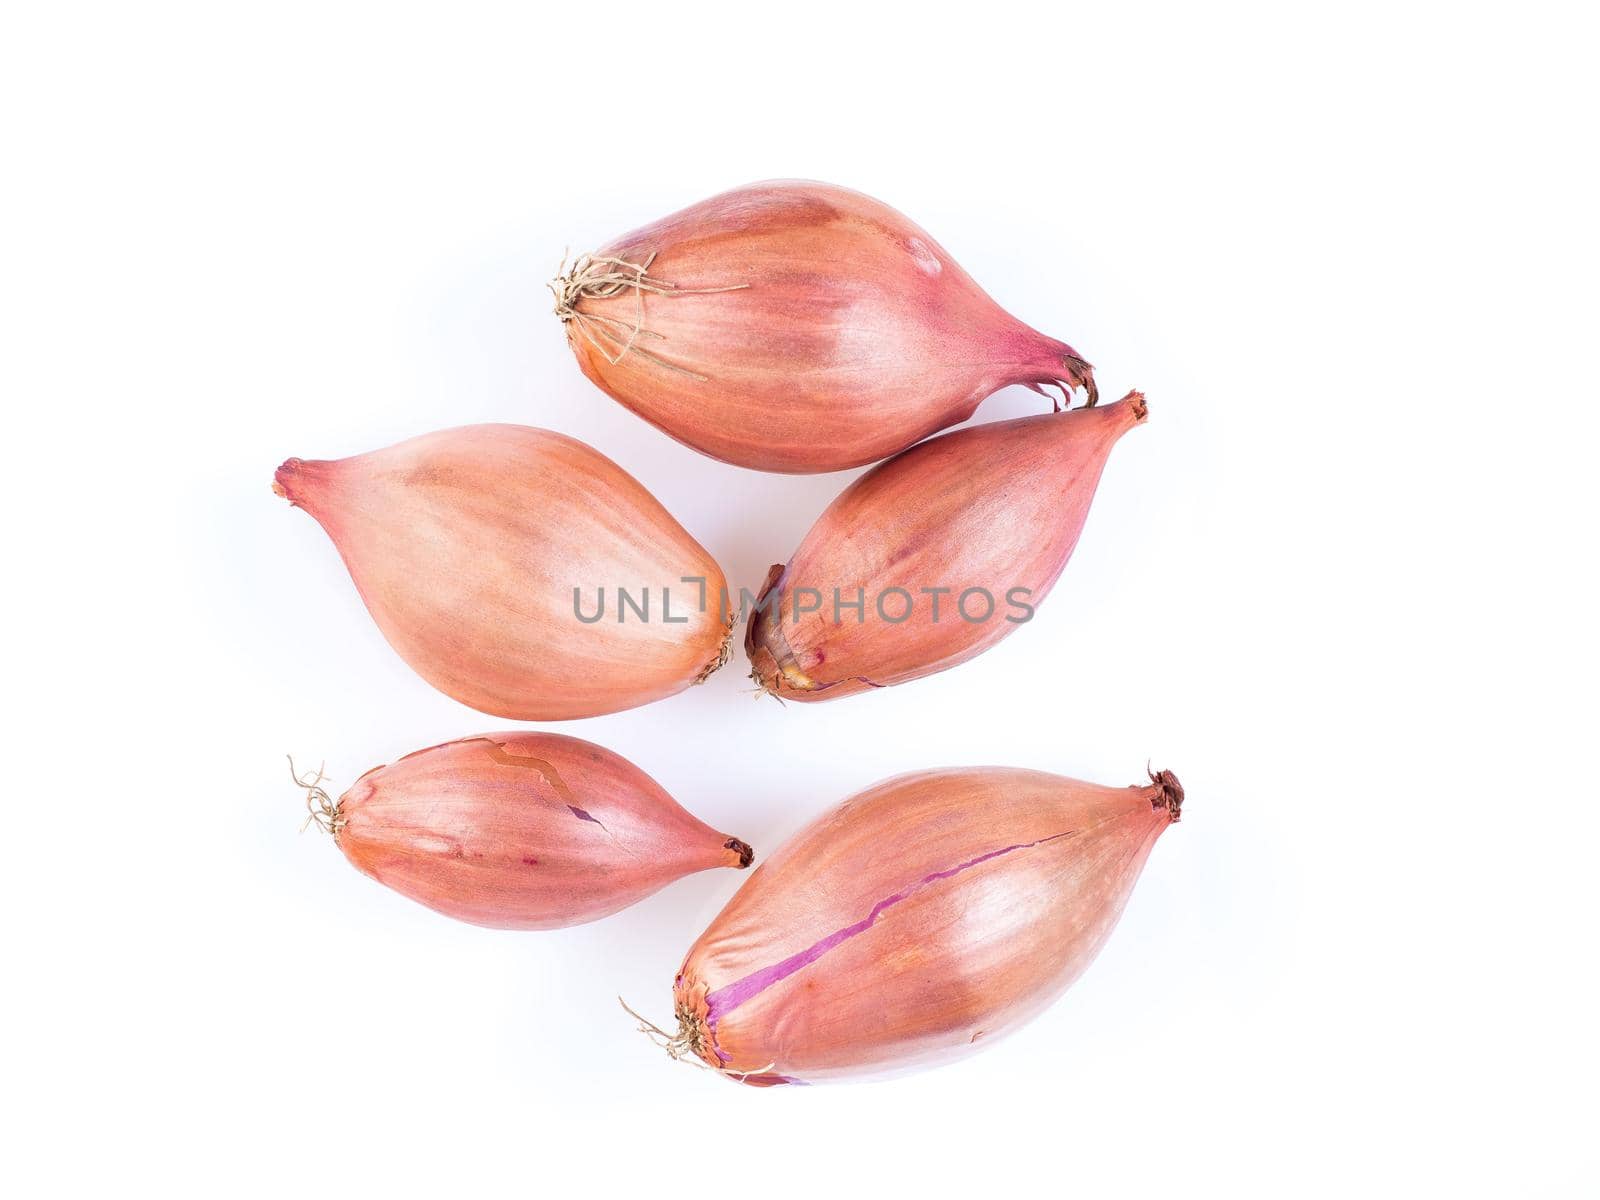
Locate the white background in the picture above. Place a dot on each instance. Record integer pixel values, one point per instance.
(1343, 584)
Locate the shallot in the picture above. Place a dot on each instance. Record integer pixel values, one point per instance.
(934, 556)
(519, 830)
(915, 923)
(797, 327)
(520, 571)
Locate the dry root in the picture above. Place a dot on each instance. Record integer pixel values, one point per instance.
(761, 689)
(601, 277)
(323, 810)
(684, 1046)
(688, 1044)
(724, 652)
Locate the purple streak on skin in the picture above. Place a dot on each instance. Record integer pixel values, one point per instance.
(725, 999)
(581, 815)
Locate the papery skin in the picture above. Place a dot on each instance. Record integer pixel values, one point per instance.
(997, 506)
(919, 919)
(466, 546)
(523, 831)
(853, 336)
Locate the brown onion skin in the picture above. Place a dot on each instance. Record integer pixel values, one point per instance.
(915, 922)
(997, 507)
(466, 546)
(523, 830)
(853, 336)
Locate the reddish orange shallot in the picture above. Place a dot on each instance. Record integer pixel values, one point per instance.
(915, 923)
(798, 327)
(484, 554)
(929, 559)
(519, 830)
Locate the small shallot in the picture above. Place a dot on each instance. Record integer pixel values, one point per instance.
(519, 830)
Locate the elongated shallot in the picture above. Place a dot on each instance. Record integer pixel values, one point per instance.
(915, 922)
(521, 571)
(798, 327)
(934, 556)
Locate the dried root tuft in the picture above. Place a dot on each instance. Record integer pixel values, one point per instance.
(688, 1044)
(724, 652)
(602, 277)
(323, 810)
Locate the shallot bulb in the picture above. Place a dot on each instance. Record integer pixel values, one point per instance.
(520, 571)
(798, 327)
(934, 556)
(519, 830)
(915, 922)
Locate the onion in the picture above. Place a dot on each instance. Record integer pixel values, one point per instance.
(484, 554)
(799, 327)
(519, 830)
(933, 556)
(919, 919)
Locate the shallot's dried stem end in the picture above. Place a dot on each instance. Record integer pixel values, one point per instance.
(321, 807)
(1171, 794)
(744, 850)
(288, 481)
(1141, 410)
(1081, 374)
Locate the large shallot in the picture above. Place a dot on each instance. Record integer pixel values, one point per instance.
(520, 571)
(933, 556)
(519, 830)
(914, 923)
(798, 327)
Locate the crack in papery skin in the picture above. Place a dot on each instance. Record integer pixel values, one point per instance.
(497, 751)
(729, 997)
